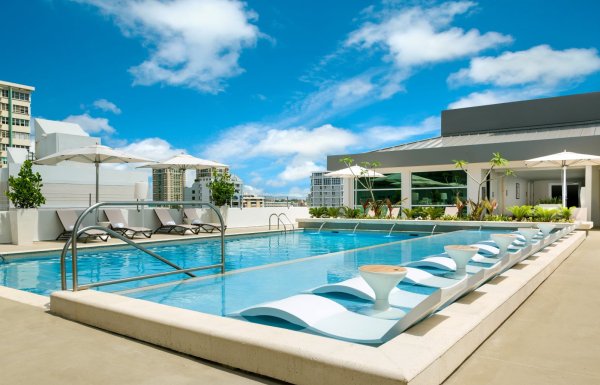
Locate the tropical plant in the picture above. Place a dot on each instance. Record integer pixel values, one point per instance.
(497, 218)
(317, 212)
(447, 217)
(349, 212)
(565, 213)
(333, 212)
(363, 177)
(550, 201)
(477, 209)
(221, 188)
(25, 190)
(521, 213)
(433, 212)
(412, 213)
(544, 215)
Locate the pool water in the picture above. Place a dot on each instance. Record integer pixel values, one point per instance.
(41, 275)
(230, 293)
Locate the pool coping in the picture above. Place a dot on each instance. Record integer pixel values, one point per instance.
(425, 354)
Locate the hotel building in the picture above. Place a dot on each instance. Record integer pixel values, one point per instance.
(422, 173)
(325, 191)
(15, 118)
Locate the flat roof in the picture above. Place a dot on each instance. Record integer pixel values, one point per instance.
(16, 85)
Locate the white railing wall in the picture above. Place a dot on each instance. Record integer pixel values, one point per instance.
(49, 226)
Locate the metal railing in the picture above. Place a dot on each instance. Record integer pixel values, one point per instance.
(72, 241)
(280, 221)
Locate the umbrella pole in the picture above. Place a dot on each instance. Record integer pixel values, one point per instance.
(564, 186)
(97, 181)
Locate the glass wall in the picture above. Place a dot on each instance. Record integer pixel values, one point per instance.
(386, 187)
(438, 188)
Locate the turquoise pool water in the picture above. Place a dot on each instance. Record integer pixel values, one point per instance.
(223, 295)
(41, 275)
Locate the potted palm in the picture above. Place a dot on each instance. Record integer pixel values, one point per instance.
(222, 191)
(25, 193)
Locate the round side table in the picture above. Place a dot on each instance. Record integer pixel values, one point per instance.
(382, 279)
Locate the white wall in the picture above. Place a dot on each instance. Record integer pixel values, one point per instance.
(509, 194)
(49, 226)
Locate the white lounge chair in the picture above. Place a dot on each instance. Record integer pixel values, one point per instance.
(327, 317)
(68, 218)
(192, 215)
(119, 224)
(167, 223)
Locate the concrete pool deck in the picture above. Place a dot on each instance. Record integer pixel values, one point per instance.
(534, 340)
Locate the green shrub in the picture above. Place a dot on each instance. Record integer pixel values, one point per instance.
(550, 201)
(447, 217)
(413, 213)
(317, 212)
(25, 190)
(565, 213)
(541, 214)
(497, 218)
(521, 213)
(333, 212)
(433, 212)
(349, 212)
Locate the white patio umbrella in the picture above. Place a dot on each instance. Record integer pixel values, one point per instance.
(184, 162)
(564, 159)
(353, 172)
(95, 154)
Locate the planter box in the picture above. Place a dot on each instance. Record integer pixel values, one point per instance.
(23, 225)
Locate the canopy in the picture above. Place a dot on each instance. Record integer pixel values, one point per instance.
(184, 162)
(564, 159)
(95, 154)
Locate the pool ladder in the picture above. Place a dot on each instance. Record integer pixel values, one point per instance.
(280, 221)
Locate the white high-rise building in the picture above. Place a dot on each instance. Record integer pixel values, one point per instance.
(15, 118)
(325, 191)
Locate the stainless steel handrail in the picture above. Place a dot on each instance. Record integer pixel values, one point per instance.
(77, 233)
(288, 219)
(271, 216)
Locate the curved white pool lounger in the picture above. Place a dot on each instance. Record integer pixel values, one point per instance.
(444, 262)
(324, 316)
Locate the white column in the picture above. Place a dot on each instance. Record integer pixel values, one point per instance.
(587, 198)
(348, 192)
(406, 188)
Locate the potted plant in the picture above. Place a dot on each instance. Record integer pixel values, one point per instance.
(25, 193)
(222, 191)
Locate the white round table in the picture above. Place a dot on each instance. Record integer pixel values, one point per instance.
(503, 241)
(382, 279)
(461, 254)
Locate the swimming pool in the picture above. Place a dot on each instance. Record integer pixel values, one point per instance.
(41, 274)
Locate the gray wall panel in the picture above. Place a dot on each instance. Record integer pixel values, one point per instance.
(559, 111)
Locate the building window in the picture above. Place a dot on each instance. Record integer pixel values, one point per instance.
(4, 93)
(20, 109)
(20, 96)
(386, 187)
(438, 188)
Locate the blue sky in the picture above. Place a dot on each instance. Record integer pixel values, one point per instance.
(272, 87)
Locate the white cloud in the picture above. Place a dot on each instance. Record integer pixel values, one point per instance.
(90, 124)
(299, 169)
(540, 65)
(297, 192)
(193, 43)
(152, 148)
(253, 140)
(417, 36)
(395, 134)
(496, 96)
(107, 106)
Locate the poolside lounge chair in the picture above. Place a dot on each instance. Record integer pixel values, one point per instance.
(324, 316)
(168, 225)
(192, 215)
(68, 219)
(451, 210)
(119, 224)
